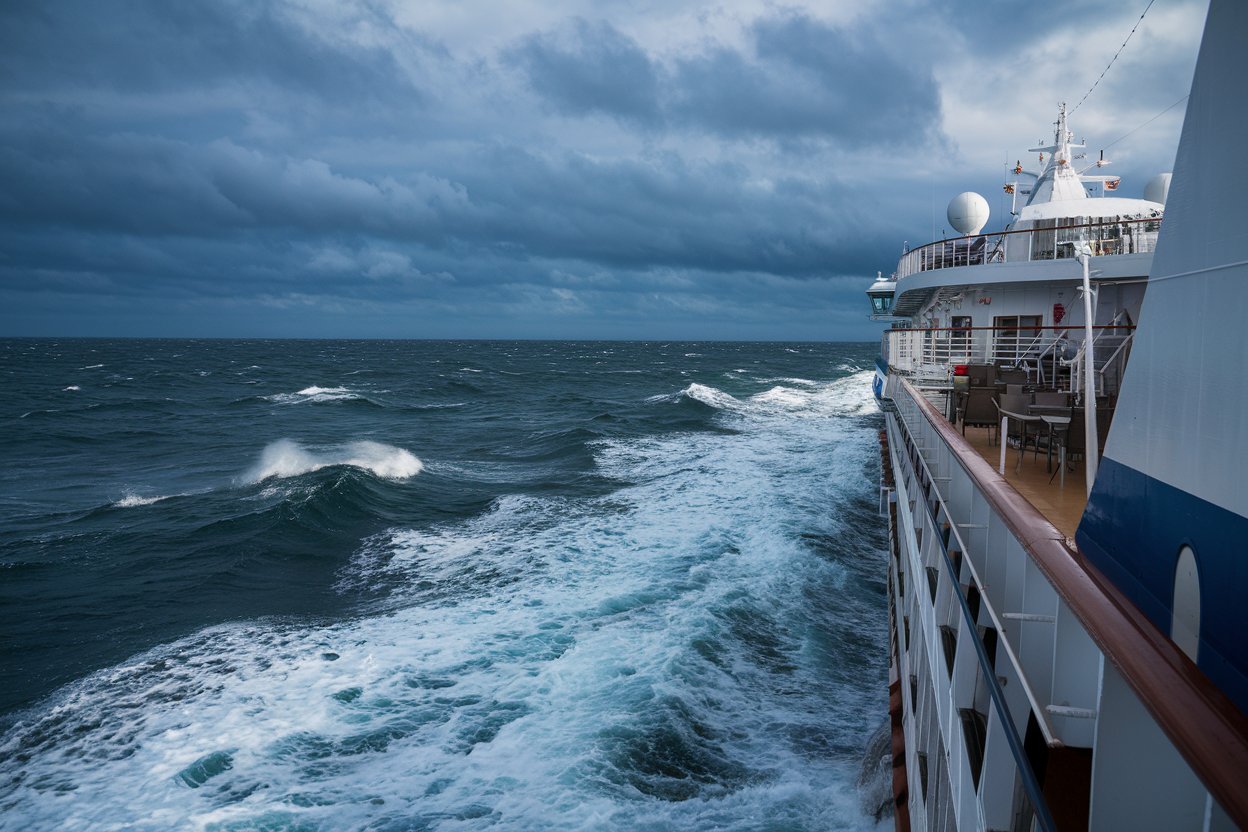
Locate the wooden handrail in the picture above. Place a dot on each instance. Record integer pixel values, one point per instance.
(1201, 720)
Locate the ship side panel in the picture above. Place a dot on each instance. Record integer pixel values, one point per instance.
(1174, 470)
(1149, 522)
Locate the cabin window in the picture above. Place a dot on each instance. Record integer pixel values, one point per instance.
(960, 333)
(881, 304)
(1185, 623)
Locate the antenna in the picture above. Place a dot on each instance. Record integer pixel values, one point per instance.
(1116, 54)
(1145, 124)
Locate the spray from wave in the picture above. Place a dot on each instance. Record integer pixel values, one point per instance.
(843, 397)
(709, 396)
(287, 458)
(131, 500)
(314, 394)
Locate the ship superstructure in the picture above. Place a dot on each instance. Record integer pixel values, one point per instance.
(1061, 661)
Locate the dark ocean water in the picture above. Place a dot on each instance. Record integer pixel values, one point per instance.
(436, 585)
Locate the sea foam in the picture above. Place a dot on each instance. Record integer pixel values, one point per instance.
(134, 500)
(700, 648)
(711, 396)
(314, 393)
(287, 458)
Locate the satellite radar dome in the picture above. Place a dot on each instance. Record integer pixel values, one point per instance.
(1158, 188)
(968, 213)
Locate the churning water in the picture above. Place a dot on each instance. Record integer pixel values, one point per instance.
(434, 585)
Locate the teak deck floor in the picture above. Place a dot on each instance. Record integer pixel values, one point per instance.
(1062, 506)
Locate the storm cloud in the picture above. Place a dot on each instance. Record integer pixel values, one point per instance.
(374, 169)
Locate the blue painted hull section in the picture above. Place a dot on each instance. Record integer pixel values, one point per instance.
(1132, 530)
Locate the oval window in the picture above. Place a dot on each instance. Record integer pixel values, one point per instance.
(1185, 623)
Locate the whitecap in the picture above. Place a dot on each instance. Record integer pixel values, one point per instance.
(91, 367)
(287, 458)
(847, 396)
(805, 382)
(131, 500)
(314, 393)
(783, 396)
(711, 396)
(531, 655)
(469, 370)
(73, 388)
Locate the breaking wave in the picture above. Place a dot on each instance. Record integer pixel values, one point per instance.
(848, 396)
(136, 500)
(315, 394)
(287, 458)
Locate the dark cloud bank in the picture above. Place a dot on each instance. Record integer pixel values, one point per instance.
(241, 169)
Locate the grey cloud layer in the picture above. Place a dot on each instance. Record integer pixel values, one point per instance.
(323, 167)
(799, 79)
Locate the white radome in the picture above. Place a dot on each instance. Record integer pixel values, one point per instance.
(1158, 188)
(968, 213)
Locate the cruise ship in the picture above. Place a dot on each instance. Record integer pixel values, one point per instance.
(1065, 479)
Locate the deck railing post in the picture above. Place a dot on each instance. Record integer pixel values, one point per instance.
(1005, 425)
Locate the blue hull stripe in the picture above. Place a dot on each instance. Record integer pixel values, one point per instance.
(1133, 529)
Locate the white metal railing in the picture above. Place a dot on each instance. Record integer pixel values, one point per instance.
(1050, 355)
(935, 546)
(1070, 653)
(1126, 236)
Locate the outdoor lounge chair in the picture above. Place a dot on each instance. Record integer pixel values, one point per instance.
(979, 411)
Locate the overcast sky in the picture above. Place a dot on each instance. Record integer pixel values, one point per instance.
(552, 169)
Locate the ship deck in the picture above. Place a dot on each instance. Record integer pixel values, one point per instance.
(1061, 506)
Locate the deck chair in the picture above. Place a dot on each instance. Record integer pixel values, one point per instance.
(1015, 403)
(1052, 398)
(979, 411)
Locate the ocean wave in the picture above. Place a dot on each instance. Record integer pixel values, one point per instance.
(131, 500)
(437, 406)
(72, 388)
(847, 396)
(804, 382)
(710, 396)
(784, 397)
(674, 654)
(287, 458)
(315, 394)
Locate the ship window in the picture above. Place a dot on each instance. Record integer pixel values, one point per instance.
(882, 303)
(1016, 336)
(960, 337)
(1185, 623)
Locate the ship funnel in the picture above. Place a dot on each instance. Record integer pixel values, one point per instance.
(968, 213)
(1158, 188)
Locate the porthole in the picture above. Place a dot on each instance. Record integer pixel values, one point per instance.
(1185, 621)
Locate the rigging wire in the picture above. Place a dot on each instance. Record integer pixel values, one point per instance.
(1116, 54)
(1150, 121)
